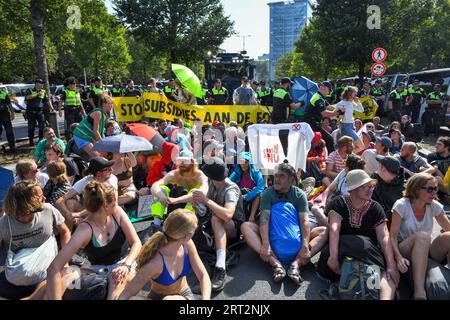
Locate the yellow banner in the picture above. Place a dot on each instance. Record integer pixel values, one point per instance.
(157, 106)
(370, 109)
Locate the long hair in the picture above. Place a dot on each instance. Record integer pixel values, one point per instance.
(179, 223)
(96, 194)
(347, 93)
(57, 170)
(20, 199)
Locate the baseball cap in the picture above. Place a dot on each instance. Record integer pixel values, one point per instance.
(98, 164)
(256, 83)
(215, 169)
(386, 141)
(325, 84)
(390, 163)
(286, 80)
(244, 78)
(39, 80)
(97, 79)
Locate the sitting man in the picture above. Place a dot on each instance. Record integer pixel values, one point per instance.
(49, 138)
(411, 162)
(71, 204)
(391, 183)
(335, 160)
(441, 160)
(283, 234)
(225, 203)
(186, 178)
(382, 146)
(53, 153)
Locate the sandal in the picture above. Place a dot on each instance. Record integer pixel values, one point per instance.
(278, 272)
(294, 274)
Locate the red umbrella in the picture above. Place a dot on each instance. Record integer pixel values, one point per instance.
(146, 132)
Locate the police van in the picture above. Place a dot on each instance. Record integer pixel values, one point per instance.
(16, 92)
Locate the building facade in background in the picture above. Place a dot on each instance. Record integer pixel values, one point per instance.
(287, 19)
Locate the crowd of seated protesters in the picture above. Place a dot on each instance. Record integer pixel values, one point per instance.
(360, 206)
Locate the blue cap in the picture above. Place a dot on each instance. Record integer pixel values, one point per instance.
(386, 141)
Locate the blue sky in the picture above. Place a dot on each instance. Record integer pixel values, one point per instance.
(251, 17)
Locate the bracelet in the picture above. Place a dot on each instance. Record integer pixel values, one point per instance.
(123, 264)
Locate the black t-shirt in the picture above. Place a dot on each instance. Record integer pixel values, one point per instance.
(38, 102)
(365, 224)
(131, 93)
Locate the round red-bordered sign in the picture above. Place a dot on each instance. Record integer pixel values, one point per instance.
(378, 69)
(379, 54)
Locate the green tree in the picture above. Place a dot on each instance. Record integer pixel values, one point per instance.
(283, 65)
(182, 30)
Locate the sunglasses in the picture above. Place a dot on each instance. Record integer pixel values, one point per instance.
(431, 189)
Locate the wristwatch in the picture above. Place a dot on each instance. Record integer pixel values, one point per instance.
(123, 264)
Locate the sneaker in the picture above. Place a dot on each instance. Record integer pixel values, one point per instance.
(218, 279)
(308, 185)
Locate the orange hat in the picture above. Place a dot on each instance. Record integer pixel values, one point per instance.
(317, 138)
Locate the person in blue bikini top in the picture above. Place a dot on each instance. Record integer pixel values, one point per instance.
(166, 259)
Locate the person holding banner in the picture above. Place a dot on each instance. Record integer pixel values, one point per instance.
(92, 128)
(349, 103)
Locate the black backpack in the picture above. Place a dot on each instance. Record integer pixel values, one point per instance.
(81, 164)
(418, 132)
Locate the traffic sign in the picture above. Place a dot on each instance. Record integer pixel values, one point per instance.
(379, 54)
(378, 69)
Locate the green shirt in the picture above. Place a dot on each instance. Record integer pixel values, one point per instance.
(295, 196)
(85, 129)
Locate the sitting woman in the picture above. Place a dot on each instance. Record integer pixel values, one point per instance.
(92, 128)
(251, 183)
(102, 236)
(29, 223)
(411, 228)
(166, 259)
(358, 230)
(337, 188)
(58, 185)
(123, 170)
(397, 141)
(316, 161)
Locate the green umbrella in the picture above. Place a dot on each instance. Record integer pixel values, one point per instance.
(188, 79)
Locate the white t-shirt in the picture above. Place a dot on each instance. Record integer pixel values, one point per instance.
(369, 156)
(42, 177)
(410, 224)
(341, 186)
(80, 185)
(349, 107)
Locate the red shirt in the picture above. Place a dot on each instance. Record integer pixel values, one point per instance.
(160, 168)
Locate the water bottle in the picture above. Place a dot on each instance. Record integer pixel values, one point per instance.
(201, 209)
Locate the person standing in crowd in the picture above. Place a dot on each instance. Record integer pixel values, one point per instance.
(37, 99)
(366, 91)
(391, 183)
(433, 118)
(206, 95)
(265, 95)
(358, 230)
(131, 90)
(50, 137)
(396, 105)
(183, 95)
(219, 94)
(116, 90)
(6, 118)
(163, 255)
(416, 96)
(282, 101)
(170, 90)
(73, 108)
(411, 229)
(102, 236)
(317, 109)
(92, 128)
(153, 88)
(244, 95)
(379, 95)
(349, 103)
(225, 203)
(95, 92)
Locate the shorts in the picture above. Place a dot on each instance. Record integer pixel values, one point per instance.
(81, 143)
(186, 293)
(107, 269)
(11, 291)
(348, 129)
(312, 221)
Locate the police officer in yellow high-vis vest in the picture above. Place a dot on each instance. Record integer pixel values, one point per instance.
(73, 108)
(265, 94)
(6, 116)
(282, 101)
(219, 94)
(170, 90)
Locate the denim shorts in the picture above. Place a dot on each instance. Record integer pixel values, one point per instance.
(348, 129)
(81, 143)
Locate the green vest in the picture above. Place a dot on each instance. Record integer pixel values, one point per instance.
(404, 93)
(219, 92)
(85, 128)
(377, 91)
(419, 91)
(316, 97)
(73, 98)
(398, 95)
(3, 95)
(435, 96)
(264, 93)
(116, 91)
(42, 93)
(280, 94)
(97, 91)
(205, 92)
(169, 90)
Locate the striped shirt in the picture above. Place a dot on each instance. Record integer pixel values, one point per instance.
(336, 161)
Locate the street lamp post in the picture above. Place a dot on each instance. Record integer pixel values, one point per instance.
(243, 39)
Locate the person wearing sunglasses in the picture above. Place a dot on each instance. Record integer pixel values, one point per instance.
(358, 229)
(411, 228)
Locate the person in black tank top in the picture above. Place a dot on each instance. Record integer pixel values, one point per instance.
(166, 259)
(102, 236)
